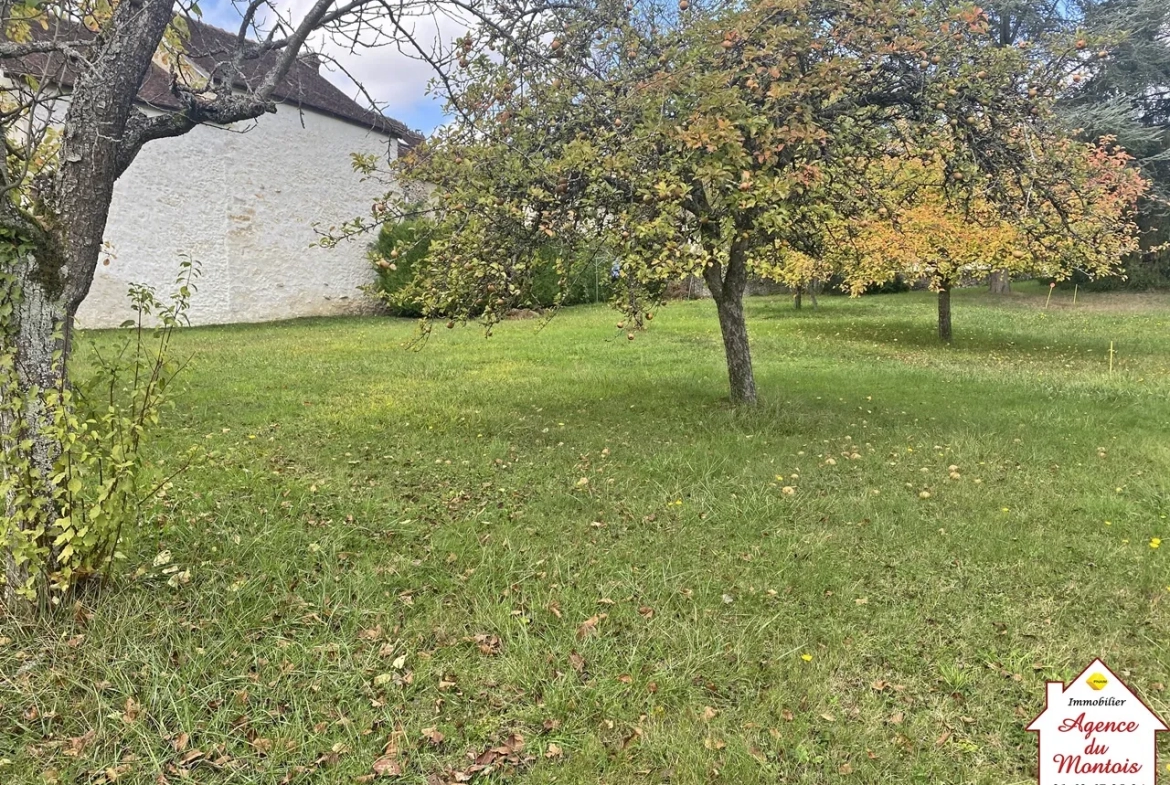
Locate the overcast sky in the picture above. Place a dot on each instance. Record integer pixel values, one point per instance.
(397, 82)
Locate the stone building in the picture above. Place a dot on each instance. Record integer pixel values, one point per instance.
(244, 202)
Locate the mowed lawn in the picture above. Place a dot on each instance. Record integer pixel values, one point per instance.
(564, 546)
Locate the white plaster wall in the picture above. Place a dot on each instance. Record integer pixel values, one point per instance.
(243, 202)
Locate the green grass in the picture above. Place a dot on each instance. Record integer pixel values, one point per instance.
(370, 503)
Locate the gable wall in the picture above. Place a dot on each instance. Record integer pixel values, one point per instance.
(243, 202)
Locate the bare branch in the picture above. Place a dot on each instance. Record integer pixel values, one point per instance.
(11, 50)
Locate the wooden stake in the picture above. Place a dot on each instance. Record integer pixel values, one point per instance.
(1051, 286)
(1076, 287)
(1111, 357)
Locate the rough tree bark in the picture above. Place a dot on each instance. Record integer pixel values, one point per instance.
(727, 289)
(36, 339)
(999, 282)
(944, 314)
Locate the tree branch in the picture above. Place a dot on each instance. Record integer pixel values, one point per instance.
(11, 50)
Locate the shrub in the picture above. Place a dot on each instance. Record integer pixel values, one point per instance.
(395, 256)
(93, 491)
(586, 278)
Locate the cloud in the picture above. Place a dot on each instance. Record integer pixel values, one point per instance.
(383, 66)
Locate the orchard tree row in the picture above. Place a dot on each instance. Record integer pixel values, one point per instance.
(784, 138)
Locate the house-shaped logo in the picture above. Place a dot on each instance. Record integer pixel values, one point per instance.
(1096, 731)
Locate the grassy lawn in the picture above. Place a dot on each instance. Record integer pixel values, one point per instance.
(569, 538)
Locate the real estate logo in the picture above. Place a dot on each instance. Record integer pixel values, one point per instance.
(1096, 731)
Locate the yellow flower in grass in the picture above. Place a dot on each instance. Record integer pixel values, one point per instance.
(806, 657)
(1155, 542)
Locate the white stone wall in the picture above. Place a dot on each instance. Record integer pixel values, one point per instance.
(242, 201)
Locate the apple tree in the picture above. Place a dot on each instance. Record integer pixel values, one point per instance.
(704, 137)
(1086, 223)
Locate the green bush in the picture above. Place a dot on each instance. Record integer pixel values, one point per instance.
(586, 279)
(399, 249)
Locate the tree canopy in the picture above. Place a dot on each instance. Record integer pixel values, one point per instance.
(715, 139)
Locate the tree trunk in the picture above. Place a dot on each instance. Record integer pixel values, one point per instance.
(796, 298)
(35, 337)
(999, 282)
(727, 290)
(735, 346)
(944, 314)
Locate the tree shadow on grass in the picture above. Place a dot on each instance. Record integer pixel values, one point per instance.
(863, 325)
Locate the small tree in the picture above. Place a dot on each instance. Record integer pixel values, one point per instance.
(798, 271)
(1086, 225)
(699, 140)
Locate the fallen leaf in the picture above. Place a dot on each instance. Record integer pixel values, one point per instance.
(553, 751)
(488, 644)
(845, 768)
(577, 661)
(191, 757)
(589, 626)
(78, 744)
(386, 766)
(896, 718)
(709, 713)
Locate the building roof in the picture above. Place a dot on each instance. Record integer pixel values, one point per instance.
(304, 87)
